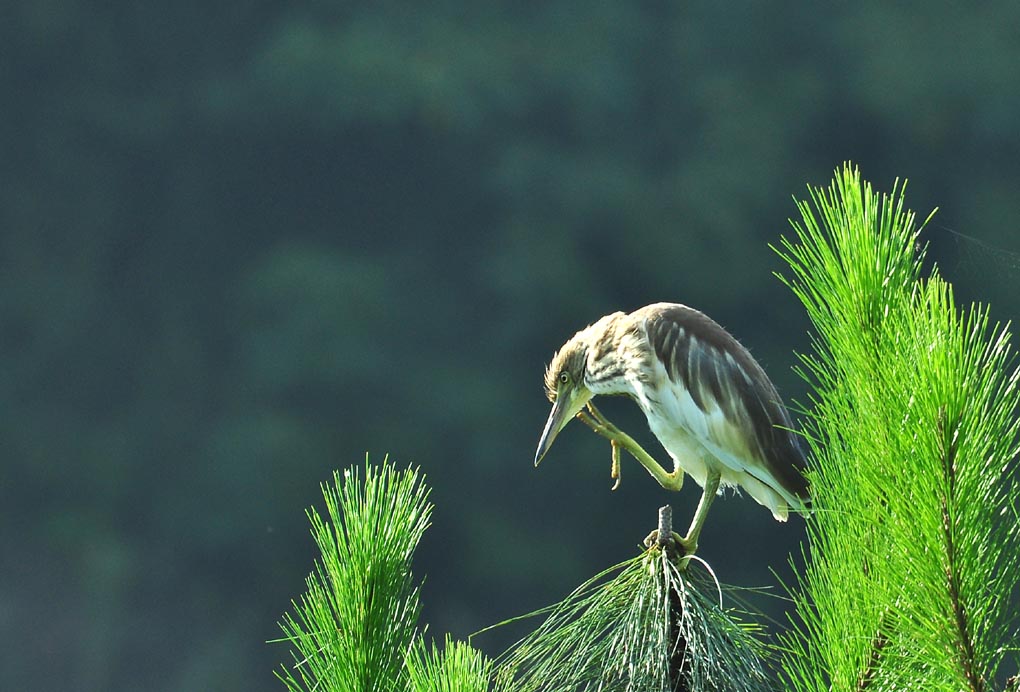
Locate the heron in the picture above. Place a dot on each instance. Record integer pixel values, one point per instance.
(707, 400)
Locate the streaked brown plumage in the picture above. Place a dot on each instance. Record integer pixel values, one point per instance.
(706, 399)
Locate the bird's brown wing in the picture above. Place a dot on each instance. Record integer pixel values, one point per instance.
(740, 405)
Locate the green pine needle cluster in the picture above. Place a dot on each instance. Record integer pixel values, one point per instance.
(650, 628)
(914, 545)
(458, 667)
(356, 628)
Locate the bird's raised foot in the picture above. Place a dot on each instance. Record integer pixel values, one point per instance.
(619, 439)
(600, 424)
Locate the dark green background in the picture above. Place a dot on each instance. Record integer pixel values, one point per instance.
(243, 244)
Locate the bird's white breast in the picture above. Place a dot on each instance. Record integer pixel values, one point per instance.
(695, 438)
(679, 425)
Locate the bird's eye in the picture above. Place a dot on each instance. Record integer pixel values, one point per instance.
(564, 377)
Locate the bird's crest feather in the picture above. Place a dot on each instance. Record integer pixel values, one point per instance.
(570, 358)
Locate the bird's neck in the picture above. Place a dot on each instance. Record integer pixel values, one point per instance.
(615, 363)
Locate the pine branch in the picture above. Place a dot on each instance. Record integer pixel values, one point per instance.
(646, 624)
(964, 643)
(868, 674)
(914, 434)
(352, 627)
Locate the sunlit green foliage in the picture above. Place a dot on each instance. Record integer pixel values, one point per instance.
(360, 614)
(456, 668)
(914, 546)
(356, 627)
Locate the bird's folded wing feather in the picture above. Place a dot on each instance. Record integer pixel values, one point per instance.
(725, 399)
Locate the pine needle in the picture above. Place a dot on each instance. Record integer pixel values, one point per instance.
(350, 630)
(651, 627)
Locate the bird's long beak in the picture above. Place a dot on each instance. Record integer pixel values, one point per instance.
(562, 411)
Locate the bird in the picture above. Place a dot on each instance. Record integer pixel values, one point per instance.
(707, 400)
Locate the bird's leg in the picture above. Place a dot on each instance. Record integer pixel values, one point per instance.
(597, 422)
(690, 542)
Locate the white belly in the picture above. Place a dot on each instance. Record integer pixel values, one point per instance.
(687, 453)
(695, 455)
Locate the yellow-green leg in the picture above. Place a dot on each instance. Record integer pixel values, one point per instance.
(690, 542)
(618, 438)
(670, 481)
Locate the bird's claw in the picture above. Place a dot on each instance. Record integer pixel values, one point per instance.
(608, 429)
(615, 470)
(684, 545)
(597, 422)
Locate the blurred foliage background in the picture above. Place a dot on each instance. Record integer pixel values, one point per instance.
(243, 245)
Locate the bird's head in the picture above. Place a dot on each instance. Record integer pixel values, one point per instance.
(564, 385)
